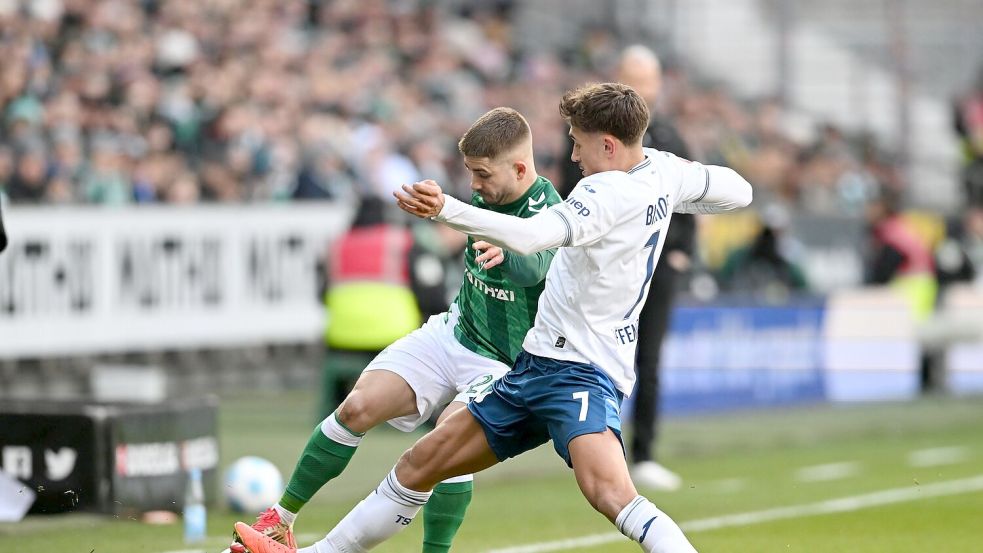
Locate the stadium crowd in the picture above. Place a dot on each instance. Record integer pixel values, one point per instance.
(178, 101)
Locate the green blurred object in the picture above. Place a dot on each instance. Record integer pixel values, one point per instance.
(25, 108)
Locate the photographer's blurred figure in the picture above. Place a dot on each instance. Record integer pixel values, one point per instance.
(898, 256)
(765, 269)
(959, 258)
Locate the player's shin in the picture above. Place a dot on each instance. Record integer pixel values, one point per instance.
(378, 517)
(325, 456)
(654, 530)
(444, 513)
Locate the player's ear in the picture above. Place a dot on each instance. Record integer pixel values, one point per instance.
(609, 145)
(520, 169)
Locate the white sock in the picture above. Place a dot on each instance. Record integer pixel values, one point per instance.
(378, 517)
(337, 432)
(643, 522)
(285, 515)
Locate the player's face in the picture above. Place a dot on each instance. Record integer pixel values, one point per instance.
(493, 180)
(588, 151)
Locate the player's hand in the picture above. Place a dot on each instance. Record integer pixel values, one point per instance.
(423, 199)
(491, 255)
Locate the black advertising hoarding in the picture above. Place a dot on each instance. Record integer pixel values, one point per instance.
(60, 455)
(109, 457)
(153, 449)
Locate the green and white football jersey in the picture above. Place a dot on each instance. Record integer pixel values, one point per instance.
(496, 312)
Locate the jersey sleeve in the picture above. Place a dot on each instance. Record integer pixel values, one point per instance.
(589, 211)
(708, 188)
(523, 236)
(527, 270)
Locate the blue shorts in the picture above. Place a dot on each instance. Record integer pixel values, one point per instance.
(542, 399)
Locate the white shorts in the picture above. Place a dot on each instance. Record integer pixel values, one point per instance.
(437, 367)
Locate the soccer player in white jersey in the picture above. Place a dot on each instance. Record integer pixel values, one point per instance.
(454, 355)
(577, 362)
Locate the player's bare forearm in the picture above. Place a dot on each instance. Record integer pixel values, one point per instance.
(424, 199)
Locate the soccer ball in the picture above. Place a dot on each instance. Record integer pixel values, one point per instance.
(252, 485)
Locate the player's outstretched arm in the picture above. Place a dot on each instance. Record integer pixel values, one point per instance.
(710, 189)
(524, 236)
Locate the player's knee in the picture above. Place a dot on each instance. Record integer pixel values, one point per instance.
(358, 412)
(610, 502)
(608, 496)
(418, 468)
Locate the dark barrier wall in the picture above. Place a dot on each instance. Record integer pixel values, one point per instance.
(60, 454)
(109, 457)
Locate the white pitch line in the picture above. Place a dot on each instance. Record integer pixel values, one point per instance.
(840, 505)
(938, 456)
(726, 485)
(827, 472)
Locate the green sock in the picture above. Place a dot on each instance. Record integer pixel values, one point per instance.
(321, 460)
(444, 514)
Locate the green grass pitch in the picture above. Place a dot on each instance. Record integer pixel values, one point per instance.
(903, 475)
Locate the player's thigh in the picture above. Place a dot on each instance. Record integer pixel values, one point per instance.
(457, 446)
(452, 407)
(599, 465)
(378, 396)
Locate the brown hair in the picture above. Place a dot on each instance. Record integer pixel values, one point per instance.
(495, 133)
(611, 108)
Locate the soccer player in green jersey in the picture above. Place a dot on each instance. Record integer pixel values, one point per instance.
(454, 356)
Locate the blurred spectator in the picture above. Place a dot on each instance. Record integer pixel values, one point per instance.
(969, 127)
(898, 256)
(272, 100)
(959, 258)
(29, 183)
(765, 269)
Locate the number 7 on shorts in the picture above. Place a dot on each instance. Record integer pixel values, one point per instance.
(582, 396)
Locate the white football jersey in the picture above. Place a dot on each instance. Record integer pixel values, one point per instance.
(611, 228)
(596, 287)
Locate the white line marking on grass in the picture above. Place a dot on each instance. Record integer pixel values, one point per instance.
(726, 485)
(840, 505)
(827, 472)
(937, 456)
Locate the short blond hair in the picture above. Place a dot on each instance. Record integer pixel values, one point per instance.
(495, 133)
